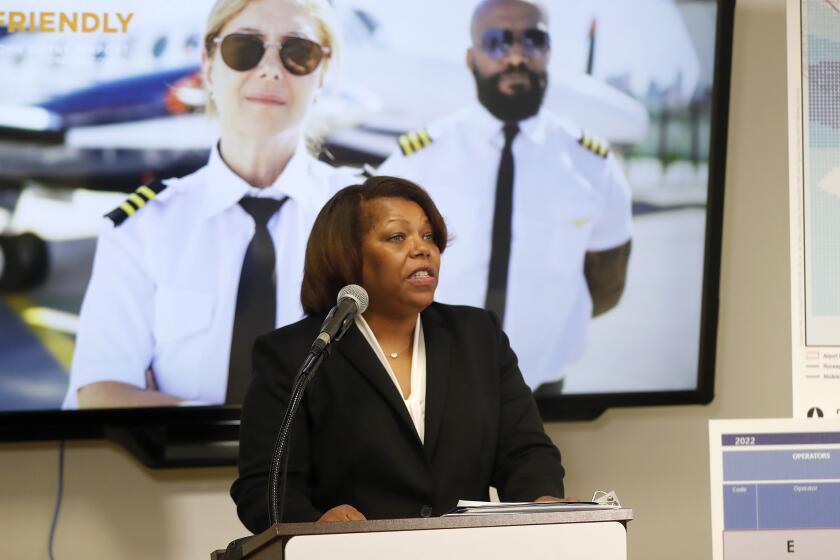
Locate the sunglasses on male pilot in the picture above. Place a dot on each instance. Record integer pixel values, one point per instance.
(244, 51)
(497, 43)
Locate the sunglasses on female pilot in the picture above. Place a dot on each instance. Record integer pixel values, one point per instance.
(498, 42)
(244, 51)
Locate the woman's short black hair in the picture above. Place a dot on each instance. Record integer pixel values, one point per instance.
(334, 251)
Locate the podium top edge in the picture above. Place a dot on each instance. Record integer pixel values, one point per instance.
(284, 530)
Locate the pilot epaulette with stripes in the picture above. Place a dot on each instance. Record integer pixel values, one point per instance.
(135, 202)
(414, 141)
(594, 145)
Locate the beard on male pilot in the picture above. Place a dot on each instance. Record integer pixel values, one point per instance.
(523, 103)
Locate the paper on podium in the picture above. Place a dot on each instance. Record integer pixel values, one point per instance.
(467, 507)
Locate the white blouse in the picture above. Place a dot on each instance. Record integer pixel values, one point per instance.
(416, 401)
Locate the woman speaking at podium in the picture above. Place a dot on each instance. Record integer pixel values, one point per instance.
(419, 405)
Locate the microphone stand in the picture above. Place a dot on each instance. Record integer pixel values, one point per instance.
(317, 354)
(281, 444)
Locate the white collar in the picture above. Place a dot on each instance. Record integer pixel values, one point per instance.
(367, 332)
(224, 188)
(490, 127)
(418, 361)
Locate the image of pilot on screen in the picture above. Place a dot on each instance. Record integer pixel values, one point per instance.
(610, 149)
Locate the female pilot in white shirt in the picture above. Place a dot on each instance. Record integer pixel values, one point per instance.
(157, 322)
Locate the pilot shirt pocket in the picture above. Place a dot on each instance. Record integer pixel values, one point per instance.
(180, 313)
(561, 242)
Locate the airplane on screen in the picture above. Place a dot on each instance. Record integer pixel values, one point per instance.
(109, 112)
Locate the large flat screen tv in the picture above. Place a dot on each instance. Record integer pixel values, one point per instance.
(87, 114)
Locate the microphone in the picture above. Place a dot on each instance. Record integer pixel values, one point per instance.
(24, 262)
(352, 300)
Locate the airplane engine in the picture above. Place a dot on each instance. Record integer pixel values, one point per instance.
(24, 261)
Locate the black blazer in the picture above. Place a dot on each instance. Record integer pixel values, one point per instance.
(353, 441)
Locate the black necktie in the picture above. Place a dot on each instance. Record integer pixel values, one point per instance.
(256, 299)
(502, 216)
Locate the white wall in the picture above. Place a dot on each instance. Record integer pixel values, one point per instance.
(655, 458)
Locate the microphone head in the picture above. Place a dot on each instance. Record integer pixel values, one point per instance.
(357, 294)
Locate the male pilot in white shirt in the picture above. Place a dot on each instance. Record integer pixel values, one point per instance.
(540, 211)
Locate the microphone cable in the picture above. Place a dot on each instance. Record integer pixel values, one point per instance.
(58, 497)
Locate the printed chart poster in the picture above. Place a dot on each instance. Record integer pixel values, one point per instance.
(814, 137)
(775, 489)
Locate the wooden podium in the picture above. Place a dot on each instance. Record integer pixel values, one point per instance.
(570, 535)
